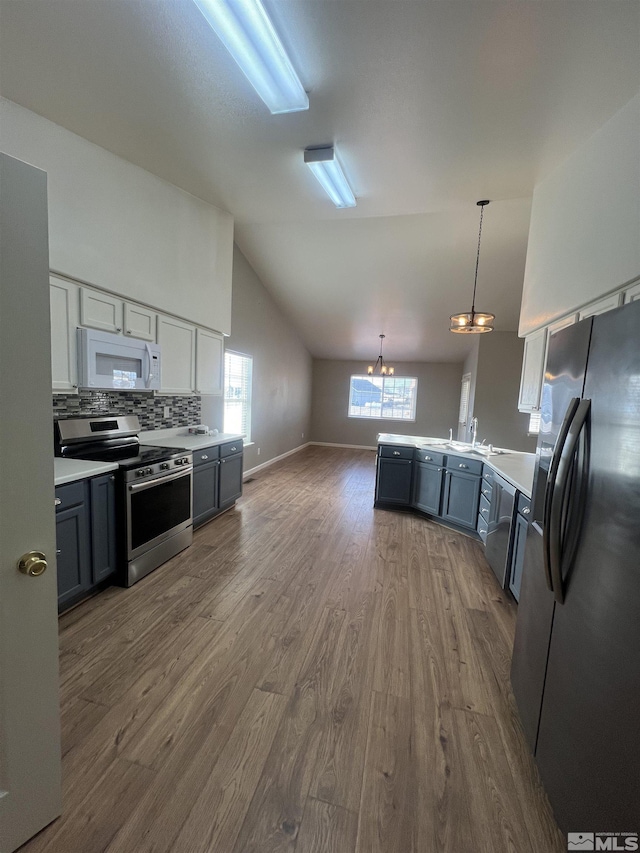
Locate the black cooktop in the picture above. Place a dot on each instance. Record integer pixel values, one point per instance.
(130, 456)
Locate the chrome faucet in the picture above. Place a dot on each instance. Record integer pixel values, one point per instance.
(474, 431)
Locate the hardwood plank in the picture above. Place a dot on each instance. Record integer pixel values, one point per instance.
(276, 810)
(88, 823)
(388, 803)
(217, 815)
(337, 777)
(327, 829)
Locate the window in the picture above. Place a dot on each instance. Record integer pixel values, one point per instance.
(392, 397)
(463, 414)
(237, 393)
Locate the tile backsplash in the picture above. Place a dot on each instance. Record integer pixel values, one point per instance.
(184, 411)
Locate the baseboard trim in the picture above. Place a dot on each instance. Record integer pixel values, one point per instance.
(275, 459)
(349, 446)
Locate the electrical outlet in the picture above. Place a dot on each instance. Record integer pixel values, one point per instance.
(167, 411)
(258, 451)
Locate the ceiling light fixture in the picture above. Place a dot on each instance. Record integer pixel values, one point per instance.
(380, 366)
(475, 322)
(325, 166)
(244, 28)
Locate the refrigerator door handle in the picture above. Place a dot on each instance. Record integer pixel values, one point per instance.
(557, 509)
(551, 485)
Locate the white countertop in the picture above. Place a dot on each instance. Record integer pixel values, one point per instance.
(181, 439)
(70, 470)
(514, 465)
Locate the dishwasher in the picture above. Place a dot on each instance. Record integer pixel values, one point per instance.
(498, 544)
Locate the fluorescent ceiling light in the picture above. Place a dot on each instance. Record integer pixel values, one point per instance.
(246, 31)
(327, 169)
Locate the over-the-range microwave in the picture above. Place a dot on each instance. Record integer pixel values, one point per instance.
(110, 361)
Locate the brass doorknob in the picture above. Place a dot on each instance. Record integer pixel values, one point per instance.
(33, 563)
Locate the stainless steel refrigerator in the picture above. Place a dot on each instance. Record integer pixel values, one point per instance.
(576, 658)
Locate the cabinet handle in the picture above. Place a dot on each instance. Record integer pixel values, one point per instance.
(128, 331)
(440, 469)
(462, 465)
(112, 478)
(57, 502)
(58, 552)
(484, 509)
(428, 459)
(396, 453)
(204, 456)
(223, 460)
(118, 329)
(525, 511)
(233, 448)
(486, 492)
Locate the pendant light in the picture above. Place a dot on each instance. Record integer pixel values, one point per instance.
(474, 322)
(380, 365)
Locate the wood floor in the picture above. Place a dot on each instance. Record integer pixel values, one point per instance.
(311, 676)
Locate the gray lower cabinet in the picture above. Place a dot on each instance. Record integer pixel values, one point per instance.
(73, 553)
(217, 479)
(206, 475)
(103, 527)
(461, 493)
(444, 486)
(85, 537)
(394, 474)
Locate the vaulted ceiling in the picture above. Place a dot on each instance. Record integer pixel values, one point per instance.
(433, 104)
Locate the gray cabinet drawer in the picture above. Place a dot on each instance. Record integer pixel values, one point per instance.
(484, 510)
(230, 448)
(429, 456)
(70, 495)
(469, 466)
(205, 454)
(393, 452)
(524, 505)
(486, 489)
(487, 474)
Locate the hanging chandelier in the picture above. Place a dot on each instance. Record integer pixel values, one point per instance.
(474, 322)
(380, 366)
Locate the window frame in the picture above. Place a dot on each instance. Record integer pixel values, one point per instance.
(381, 417)
(248, 401)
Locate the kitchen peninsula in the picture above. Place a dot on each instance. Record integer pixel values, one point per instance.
(480, 491)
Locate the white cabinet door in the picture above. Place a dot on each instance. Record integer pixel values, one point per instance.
(178, 342)
(602, 305)
(63, 297)
(139, 322)
(209, 362)
(100, 310)
(532, 371)
(632, 293)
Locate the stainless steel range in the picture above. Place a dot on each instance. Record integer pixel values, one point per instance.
(154, 488)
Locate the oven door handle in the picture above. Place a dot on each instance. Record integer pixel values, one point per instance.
(165, 478)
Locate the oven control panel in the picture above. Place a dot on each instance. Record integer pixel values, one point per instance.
(182, 463)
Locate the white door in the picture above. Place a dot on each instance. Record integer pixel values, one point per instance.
(29, 704)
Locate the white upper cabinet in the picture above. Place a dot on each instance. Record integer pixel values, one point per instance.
(600, 306)
(178, 342)
(100, 310)
(532, 371)
(209, 362)
(632, 293)
(140, 322)
(64, 300)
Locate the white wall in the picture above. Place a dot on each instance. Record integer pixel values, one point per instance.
(121, 228)
(584, 236)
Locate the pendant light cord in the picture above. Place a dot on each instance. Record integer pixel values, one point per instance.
(475, 283)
